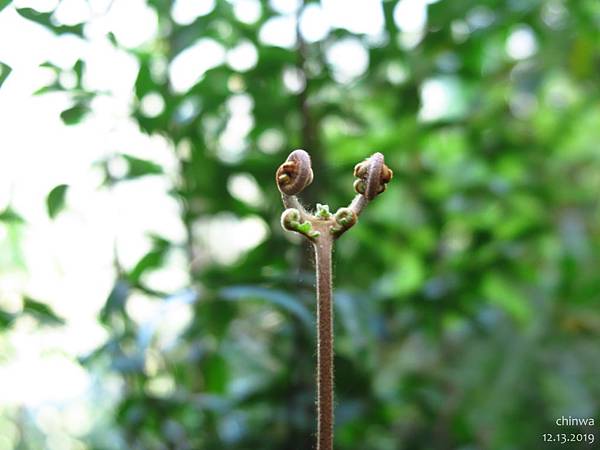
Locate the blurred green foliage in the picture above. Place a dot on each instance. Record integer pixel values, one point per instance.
(467, 296)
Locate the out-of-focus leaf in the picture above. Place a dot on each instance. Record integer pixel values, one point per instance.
(6, 319)
(215, 374)
(276, 297)
(354, 314)
(54, 87)
(354, 379)
(137, 167)
(42, 312)
(109, 349)
(5, 71)
(4, 4)
(213, 316)
(116, 301)
(144, 83)
(407, 277)
(50, 65)
(10, 216)
(46, 20)
(151, 260)
(112, 38)
(78, 68)
(55, 202)
(505, 295)
(75, 113)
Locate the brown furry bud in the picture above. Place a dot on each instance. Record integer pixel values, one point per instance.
(295, 173)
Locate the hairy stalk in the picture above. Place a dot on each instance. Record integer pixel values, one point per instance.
(323, 250)
(322, 228)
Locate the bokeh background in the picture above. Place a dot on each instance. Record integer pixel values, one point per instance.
(150, 300)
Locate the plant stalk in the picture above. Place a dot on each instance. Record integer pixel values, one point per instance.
(322, 229)
(323, 252)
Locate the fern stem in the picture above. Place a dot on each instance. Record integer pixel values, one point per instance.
(323, 253)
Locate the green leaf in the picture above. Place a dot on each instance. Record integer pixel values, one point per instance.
(151, 260)
(45, 19)
(144, 82)
(54, 87)
(10, 216)
(4, 4)
(56, 200)
(75, 114)
(112, 38)
(5, 71)
(115, 301)
(42, 312)
(78, 68)
(6, 319)
(50, 65)
(140, 167)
